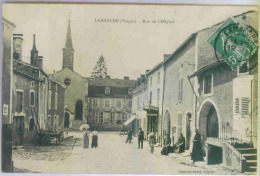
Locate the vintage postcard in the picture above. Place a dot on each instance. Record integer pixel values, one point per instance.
(129, 89)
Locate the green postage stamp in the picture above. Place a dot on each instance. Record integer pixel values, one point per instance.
(234, 42)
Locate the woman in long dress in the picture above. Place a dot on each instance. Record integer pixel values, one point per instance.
(197, 149)
(85, 139)
(94, 140)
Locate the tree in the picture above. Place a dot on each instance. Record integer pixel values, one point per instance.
(100, 70)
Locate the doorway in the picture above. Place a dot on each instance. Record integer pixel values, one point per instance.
(79, 110)
(67, 120)
(188, 131)
(18, 130)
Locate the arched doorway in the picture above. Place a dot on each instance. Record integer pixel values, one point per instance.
(67, 120)
(208, 123)
(79, 110)
(166, 124)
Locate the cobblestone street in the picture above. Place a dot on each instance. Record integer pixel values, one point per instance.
(113, 156)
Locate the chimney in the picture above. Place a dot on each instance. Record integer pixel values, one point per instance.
(146, 71)
(40, 62)
(126, 78)
(17, 46)
(142, 78)
(166, 56)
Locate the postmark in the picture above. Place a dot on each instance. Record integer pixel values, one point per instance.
(234, 44)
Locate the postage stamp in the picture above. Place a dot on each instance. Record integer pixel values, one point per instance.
(234, 42)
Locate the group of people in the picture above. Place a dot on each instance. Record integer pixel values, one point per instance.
(178, 147)
(86, 138)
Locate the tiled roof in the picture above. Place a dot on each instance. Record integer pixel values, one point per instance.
(27, 70)
(111, 82)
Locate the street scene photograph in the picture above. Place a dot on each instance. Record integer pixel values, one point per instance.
(129, 89)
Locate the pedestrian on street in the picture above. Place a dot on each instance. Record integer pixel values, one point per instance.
(152, 141)
(129, 136)
(179, 147)
(85, 138)
(196, 154)
(166, 144)
(140, 138)
(94, 140)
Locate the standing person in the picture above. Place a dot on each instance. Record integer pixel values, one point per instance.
(180, 145)
(197, 149)
(94, 140)
(129, 136)
(152, 141)
(85, 138)
(140, 138)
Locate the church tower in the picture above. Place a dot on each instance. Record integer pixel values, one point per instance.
(68, 51)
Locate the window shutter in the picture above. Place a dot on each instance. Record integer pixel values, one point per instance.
(237, 105)
(244, 105)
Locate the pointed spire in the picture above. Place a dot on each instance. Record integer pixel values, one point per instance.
(68, 43)
(34, 44)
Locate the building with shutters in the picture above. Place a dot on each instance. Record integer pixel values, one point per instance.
(109, 103)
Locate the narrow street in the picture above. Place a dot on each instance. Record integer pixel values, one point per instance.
(113, 156)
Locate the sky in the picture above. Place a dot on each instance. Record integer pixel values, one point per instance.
(128, 48)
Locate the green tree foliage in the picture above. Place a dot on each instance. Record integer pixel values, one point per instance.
(100, 70)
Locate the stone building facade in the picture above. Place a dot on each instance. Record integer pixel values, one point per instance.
(7, 79)
(109, 103)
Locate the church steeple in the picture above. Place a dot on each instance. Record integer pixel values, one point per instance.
(68, 51)
(34, 53)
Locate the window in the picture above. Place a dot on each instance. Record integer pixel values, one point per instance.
(101, 119)
(151, 81)
(245, 105)
(95, 102)
(158, 78)
(180, 89)
(151, 97)
(96, 116)
(207, 83)
(158, 96)
(130, 104)
(119, 116)
(49, 122)
(49, 100)
(124, 117)
(49, 86)
(112, 117)
(107, 104)
(107, 91)
(118, 103)
(56, 100)
(237, 105)
(19, 101)
(32, 98)
(56, 87)
(32, 84)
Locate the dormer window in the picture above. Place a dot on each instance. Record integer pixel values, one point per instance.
(107, 91)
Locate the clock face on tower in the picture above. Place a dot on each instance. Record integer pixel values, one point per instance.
(67, 81)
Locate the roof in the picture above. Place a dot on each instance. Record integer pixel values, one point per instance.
(206, 68)
(179, 48)
(206, 53)
(8, 22)
(27, 70)
(68, 43)
(115, 92)
(107, 82)
(155, 68)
